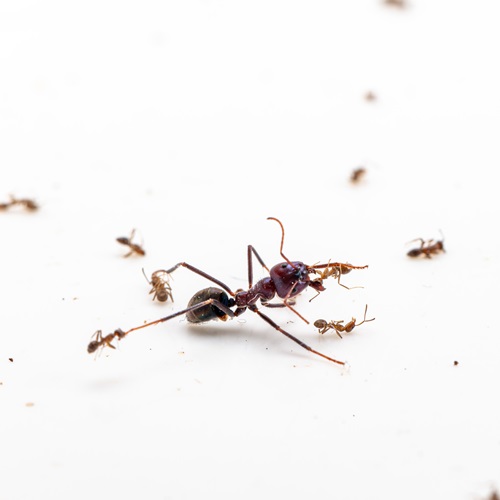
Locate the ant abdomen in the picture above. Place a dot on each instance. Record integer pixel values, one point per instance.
(210, 311)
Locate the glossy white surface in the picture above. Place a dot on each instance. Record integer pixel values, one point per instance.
(193, 122)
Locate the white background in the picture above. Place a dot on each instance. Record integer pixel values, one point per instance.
(193, 121)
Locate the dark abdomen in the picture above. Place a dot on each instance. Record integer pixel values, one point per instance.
(210, 311)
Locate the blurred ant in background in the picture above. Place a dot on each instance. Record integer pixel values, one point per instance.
(427, 248)
(134, 247)
(357, 174)
(26, 203)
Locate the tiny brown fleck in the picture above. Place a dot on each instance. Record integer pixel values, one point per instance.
(370, 96)
(396, 3)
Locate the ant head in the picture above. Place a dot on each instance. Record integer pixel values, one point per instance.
(290, 278)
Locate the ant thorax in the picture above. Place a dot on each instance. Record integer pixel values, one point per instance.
(263, 290)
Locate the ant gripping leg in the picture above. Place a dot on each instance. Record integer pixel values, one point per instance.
(101, 341)
(336, 270)
(160, 286)
(216, 308)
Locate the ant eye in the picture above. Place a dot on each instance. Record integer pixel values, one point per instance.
(283, 266)
(294, 289)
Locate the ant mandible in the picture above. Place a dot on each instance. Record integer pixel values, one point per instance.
(323, 326)
(134, 247)
(428, 248)
(286, 280)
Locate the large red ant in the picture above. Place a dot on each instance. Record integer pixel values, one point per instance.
(286, 280)
(428, 248)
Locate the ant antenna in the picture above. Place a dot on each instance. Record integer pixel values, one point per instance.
(282, 237)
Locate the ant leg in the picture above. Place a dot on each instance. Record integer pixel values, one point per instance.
(345, 286)
(288, 304)
(291, 337)
(201, 273)
(276, 305)
(422, 242)
(364, 317)
(120, 334)
(207, 302)
(251, 250)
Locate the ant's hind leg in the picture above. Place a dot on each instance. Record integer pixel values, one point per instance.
(268, 320)
(101, 341)
(193, 308)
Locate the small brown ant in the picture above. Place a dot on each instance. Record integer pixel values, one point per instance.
(101, 341)
(160, 285)
(286, 280)
(427, 248)
(134, 247)
(26, 203)
(357, 174)
(333, 271)
(324, 326)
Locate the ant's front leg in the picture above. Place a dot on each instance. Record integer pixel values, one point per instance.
(201, 273)
(276, 305)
